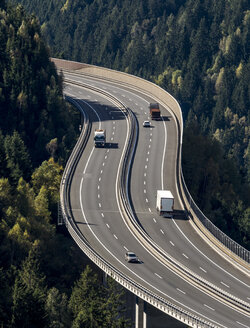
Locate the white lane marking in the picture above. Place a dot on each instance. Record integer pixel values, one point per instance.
(112, 138)
(113, 133)
(242, 324)
(144, 191)
(145, 113)
(148, 153)
(124, 96)
(102, 215)
(149, 209)
(147, 159)
(144, 182)
(203, 270)
(162, 231)
(115, 237)
(150, 140)
(171, 243)
(136, 104)
(98, 196)
(146, 200)
(113, 127)
(181, 291)
(107, 225)
(224, 284)
(197, 249)
(154, 220)
(113, 122)
(248, 298)
(158, 275)
(149, 146)
(132, 271)
(108, 151)
(100, 179)
(125, 248)
(185, 256)
(146, 166)
(103, 163)
(100, 205)
(130, 99)
(98, 187)
(145, 174)
(101, 171)
(209, 307)
(151, 134)
(105, 156)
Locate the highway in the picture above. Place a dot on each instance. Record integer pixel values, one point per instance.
(96, 209)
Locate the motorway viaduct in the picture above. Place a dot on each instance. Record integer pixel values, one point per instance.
(108, 198)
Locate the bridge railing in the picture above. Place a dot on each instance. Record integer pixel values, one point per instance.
(214, 234)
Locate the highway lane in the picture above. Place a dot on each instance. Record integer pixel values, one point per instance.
(190, 250)
(115, 240)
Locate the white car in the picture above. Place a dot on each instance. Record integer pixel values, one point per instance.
(131, 257)
(146, 124)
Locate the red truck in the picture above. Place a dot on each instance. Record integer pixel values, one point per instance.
(154, 110)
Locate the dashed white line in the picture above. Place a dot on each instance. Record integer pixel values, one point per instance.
(148, 153)
(224, 284)
(98, 187)
(171, 243)
(185, 255)
(102, 215)
(145, 174)
(98, 196)
(100, 179)
(112, 138)
(154, 220)
(158, 275)
(150, 140)
(162, 231)
(147, 159)
(181, 291)
(105, 156)
(144, 191)
(101, 171)
(146, 166)
(149, 146)
(103, 163)
(144, 182)
(203, 270)
(100, 205)
(107, 225)
(149, 209)
(242, 324)
(209, 307)
(115, 237)
(125, 248)
(146, 200)
(113, 133)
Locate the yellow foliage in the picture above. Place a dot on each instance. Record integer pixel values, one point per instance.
(239, 70)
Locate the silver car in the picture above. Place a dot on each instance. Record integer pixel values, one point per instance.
(131, 257)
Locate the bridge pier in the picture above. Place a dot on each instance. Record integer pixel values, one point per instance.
(140, 313)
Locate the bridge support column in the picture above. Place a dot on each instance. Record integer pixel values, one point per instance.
(104, 279)
(140, 313)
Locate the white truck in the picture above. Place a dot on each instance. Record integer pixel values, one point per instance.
(165, 202)
(100, 138)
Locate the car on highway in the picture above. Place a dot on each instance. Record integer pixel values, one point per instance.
(146, 124)
(131, 257)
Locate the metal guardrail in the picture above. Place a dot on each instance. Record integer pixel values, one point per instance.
(140, 84)
(143, 293)
(232, 245)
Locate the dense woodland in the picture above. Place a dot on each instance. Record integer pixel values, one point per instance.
(198, 51)
(45, 280)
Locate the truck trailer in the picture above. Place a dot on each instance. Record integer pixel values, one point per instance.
(100, 138)
(154, 111)
(164, 202)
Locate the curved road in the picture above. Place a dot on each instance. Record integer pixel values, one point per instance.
(96, 211)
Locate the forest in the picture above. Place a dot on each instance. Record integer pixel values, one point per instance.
(195, 49)
(45, 280)
(199, 52)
